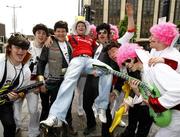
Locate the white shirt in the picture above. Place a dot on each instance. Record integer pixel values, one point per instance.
(13, 72)
(98, 51)
(169, 53)
(64, 50)
(35, 53)
(125, 38)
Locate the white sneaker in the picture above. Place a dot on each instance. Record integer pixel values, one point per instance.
(95, 111)
(102, 115)
(51, 121)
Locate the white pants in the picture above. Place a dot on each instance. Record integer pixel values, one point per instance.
(173, 130)
(80, 89)
(32, 105)
(64, 97)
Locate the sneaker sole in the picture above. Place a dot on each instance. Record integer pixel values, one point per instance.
(42, 125)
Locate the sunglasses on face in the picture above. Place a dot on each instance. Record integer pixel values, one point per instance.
(130, 61)
(102, 32)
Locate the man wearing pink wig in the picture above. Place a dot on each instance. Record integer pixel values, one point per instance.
(162, 40)
(162, 76)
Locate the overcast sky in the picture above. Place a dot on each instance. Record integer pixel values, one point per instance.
(37, 11)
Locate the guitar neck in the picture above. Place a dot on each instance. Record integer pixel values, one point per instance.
(4, 97)
(143, 85)
(29, 87)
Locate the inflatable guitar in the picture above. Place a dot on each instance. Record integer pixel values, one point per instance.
(4, 98)
(162, 119)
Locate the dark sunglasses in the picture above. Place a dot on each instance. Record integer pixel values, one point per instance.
(102, 32)
(130, 61)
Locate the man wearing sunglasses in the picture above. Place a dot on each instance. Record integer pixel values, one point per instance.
(159, 76)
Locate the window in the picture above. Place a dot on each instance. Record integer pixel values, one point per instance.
(114, 12)
(147, 17)
(177, 11)
(98, 6)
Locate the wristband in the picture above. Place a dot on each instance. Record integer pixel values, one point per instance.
(131, 30)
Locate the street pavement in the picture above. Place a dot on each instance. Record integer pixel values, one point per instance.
(79, 123)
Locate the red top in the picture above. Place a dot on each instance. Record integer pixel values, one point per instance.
(81, 45)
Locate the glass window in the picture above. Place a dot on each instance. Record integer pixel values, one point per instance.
(177, 11)
(147, 17)
(98, 6)
(114, 11)
(160, 13)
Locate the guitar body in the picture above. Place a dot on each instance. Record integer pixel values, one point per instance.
(162, 119)
(5, 90)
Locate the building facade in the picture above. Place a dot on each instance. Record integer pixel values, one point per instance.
(2, 36)
(146, 13)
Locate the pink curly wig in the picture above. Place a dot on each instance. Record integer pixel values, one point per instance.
(93, 30)
(126, 51)
(114, 32)
(165, 32)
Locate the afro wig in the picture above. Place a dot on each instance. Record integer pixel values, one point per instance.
(126, 51)
(93, 32)
(165, 32)
(114, 32)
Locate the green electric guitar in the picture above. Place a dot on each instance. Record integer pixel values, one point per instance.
(4, 98)
(162, 119)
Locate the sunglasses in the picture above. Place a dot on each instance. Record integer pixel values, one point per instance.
(130, 61)
(102, 32)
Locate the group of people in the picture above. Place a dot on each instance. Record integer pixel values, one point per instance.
(71, 57)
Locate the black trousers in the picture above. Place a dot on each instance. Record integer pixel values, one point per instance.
(140, 120)
(89, 95)
(48, 98)
(7, 119)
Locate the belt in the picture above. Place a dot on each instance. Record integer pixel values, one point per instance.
(84, 55)
(54, 80)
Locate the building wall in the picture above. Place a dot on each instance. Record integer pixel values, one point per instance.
(2, 36)
(2, 29)
(146, 13)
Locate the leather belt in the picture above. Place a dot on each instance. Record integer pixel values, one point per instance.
(84, 55)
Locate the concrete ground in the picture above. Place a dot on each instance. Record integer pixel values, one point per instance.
(78, 123)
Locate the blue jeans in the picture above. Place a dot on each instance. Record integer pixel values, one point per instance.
(77, 66)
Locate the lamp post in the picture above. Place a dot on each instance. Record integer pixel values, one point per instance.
(14, 15)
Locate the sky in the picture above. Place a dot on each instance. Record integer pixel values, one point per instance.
(33, 12)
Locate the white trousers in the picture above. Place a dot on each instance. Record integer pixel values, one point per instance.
(32, 105)
(80, 89)
(173, 130)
